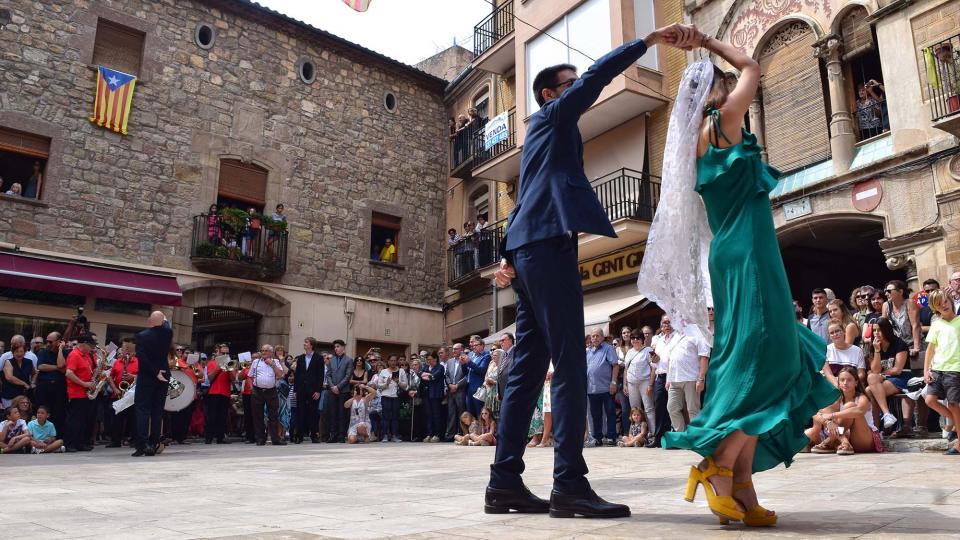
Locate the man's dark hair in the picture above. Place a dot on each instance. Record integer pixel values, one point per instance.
(547, 78)
(128, 340)
(931, 281)
(818, 291)
(508, 335)
(339, 342)
(313, 343)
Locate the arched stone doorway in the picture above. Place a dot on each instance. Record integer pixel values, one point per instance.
(838, 251)
(254, 314)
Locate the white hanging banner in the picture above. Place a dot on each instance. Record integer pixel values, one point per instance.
(496, 130)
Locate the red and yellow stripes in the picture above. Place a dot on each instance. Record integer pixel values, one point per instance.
(111, 108)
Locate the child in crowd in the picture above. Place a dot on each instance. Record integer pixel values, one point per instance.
(43, 434)
(845, 427)
(637, 436)
(941, 366)
(488, 430)
(14, 437)
(469, 427)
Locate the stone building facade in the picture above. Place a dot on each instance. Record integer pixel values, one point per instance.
(869, 188)
(342, 136)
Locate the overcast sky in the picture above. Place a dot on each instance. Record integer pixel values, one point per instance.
(406, 30)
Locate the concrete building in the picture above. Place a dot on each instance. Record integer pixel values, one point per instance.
(871, 186)
(624, 134)
(234, 105)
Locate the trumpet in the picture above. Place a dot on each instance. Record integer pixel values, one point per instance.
(226, 363)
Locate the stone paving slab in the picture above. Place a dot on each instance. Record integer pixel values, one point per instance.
(402, 490)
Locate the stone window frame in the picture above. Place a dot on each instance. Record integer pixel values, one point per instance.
(213, 35)
(53, 172)
(387, 96)
(405, 237)
(83, 41)
(303, 62)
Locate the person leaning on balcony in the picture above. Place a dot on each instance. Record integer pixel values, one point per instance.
(869, 115)
(452, 237)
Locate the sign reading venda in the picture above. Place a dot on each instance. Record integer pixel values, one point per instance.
(496, 130)
(617, 264)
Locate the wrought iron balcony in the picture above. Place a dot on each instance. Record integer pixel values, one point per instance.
(942, 61)
(628, 194)
(493, 28)
(463, 149)
(244, 248)
(473, 253)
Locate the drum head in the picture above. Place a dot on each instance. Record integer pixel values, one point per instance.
(181, 393)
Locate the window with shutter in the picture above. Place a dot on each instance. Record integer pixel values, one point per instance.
(118, 47)
(795, 117)
(856, 33)
(384, 227)
(23, 161)
(242, 182)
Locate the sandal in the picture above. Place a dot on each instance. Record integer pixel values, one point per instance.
(823, 448)
(845, 449)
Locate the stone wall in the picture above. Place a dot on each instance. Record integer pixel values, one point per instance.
(334, 152)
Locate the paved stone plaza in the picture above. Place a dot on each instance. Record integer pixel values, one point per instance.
(436, 491)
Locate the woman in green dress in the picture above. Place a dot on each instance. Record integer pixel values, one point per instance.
(713, 238)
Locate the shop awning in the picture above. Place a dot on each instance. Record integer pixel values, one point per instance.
(45, 275)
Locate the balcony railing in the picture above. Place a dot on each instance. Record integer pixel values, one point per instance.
(248, 249)
(493, 28)
(872, 119)
(479, 250)
(628, 194)
(463, 147)
(486, 154)
(942, 61)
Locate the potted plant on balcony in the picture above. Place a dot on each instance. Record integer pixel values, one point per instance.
(233, 218)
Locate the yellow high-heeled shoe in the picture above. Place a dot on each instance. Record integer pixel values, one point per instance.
(723, 506)
(757, 516)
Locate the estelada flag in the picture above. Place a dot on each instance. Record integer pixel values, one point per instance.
(111, 108)
(358, 5)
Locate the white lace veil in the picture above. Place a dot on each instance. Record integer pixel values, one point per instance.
(674, 271)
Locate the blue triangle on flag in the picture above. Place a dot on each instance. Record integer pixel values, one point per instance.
(115, 79)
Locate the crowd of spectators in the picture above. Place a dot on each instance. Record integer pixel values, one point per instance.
(893, 355)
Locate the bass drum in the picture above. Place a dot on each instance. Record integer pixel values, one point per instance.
(181, 393)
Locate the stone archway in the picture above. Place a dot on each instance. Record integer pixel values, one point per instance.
(273, 310)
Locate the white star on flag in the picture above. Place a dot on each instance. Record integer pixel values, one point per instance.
(113, 80)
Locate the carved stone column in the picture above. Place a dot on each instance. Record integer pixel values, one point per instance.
(756, 123)
(842, 137)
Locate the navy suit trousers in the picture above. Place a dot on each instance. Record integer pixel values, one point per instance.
(549, 325)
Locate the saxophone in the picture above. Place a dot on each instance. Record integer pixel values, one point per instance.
(100, 373)
(124, 384)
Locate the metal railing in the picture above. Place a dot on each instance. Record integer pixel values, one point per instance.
(463, 146)
(942, 61)
(493, 28)
(628, 194)
(486, 154)
(872, 119)
(472, 253)
(250, 243)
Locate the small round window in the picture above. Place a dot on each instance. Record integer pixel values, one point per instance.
(204, 35)
(390, 102)
(307, 71)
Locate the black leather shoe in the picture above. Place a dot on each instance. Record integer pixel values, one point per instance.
(71, 449)
(279, 443)
(588, 505)
(113, 445)
(652, 444)
(138, 453)
(149, 452)
(314, 440)
(502, 501)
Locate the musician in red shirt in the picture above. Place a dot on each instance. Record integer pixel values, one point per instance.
(180, 420)
(82, 410)
(124, 370)
(217, 400)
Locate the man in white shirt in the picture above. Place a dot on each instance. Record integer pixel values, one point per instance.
(18, 340)
(660, 360)
(264, 372)
(686, 373)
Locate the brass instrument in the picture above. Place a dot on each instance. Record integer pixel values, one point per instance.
(101, 371)
(122, 388)
(226, 363)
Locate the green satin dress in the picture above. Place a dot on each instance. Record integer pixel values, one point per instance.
(764, 372)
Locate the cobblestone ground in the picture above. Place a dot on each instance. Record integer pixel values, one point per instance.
(436, 491)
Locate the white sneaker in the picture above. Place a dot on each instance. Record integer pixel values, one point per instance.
(889, 420)
(36, 451)
(396, 439)
(62, 449)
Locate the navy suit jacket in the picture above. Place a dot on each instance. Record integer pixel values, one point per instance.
(153, 346)
(554, 195)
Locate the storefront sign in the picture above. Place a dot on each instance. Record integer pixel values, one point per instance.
(496, 130)
(618, 264)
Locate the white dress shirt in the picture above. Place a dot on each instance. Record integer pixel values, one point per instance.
(684, 362)
(262, 374)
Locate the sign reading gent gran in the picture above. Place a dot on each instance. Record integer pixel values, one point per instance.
(614, 265)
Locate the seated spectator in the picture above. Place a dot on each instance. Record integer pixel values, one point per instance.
(846, 427)
(469, 427)
(840, 314)
(841, 354)
(16, 189)
(43, 434)
(860, 300)
(359, 430)
(637, 435)
(23, 404)
(14, 437)
(941, 367)
(889, 372)
(488, 430)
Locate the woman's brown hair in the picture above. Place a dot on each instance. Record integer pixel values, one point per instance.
(718, 91)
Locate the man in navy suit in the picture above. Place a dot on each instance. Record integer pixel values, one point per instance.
(555, 202)
(153, 380)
